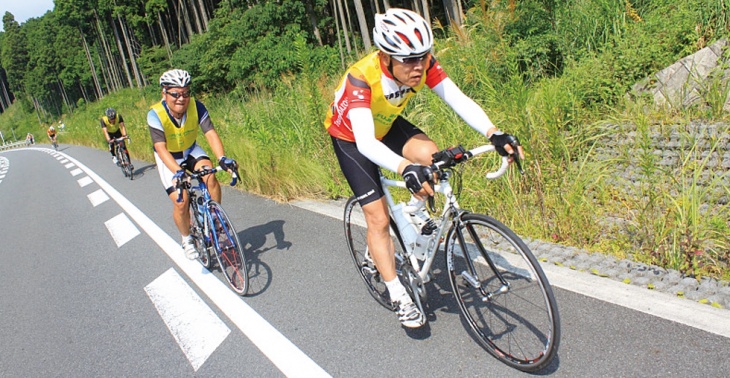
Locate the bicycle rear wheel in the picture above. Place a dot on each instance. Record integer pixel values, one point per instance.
(503, 293)
(229, 250)
(356, 237)
(196, 230)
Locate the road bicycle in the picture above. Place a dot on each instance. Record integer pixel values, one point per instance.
(501, 290)
(123, 162)
(54, 143)
(214, 236)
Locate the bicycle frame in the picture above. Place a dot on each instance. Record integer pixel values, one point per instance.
(450, 214)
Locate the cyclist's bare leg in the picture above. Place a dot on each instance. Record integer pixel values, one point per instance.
(213, 187)
(180, 213)
(379, 241)
(419, 149)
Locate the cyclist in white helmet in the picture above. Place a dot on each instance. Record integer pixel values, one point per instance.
(112, 124)
(174, 128)
(367, 131)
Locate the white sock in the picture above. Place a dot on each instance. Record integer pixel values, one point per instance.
(187, 238)
(397, 291)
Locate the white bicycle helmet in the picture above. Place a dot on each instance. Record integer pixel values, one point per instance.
(402, 33)
(175, 78)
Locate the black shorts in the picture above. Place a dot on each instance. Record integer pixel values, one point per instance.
(361, 173)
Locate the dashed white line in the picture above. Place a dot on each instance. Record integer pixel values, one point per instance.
(69, 165)
(86, 180)
(76, 172)
(197, 330)
(98, 197)
(122, 229)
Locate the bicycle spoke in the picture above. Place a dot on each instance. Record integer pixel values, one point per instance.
(229, 250)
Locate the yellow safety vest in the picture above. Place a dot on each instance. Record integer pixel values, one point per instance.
(179, 138)
(110, 128)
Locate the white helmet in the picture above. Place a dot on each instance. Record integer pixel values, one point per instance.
(52, 128)
(401, 32)
(175, 78)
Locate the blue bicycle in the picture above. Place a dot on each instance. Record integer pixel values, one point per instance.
(213, 231)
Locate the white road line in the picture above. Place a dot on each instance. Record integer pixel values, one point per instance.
(287, 357)
(76, 172)
(122, 229)
(98, 197)
(693, 314)
(86, 180)
(59, 157)
(69, 165)
(197, 330)
(64, 161)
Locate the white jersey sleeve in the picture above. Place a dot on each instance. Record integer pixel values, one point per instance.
(363, 128)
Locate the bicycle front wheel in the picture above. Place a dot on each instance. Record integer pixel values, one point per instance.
(229, 250)
(356, 237)
(503, 293)
(196, 230)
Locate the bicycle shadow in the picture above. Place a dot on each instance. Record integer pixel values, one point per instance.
(254, 241)
(139, 172)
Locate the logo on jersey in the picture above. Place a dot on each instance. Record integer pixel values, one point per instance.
(399, 93)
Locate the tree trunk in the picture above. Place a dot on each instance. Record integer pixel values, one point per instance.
(121, 52)
(337, 29)
(349, 24)
(343, 23)
(203, 14)
(313, 21)
(386, 4)
(164, 36)
(363, 24)
(132, 59)
(97, 85)
(426, 13)
(114, 81)
(184, 18)
(190, 6)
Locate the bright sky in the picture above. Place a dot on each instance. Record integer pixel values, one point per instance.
(24, 9)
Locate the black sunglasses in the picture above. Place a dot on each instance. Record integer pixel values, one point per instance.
(177, 95)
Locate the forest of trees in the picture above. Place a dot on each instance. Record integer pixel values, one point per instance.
(84, 49)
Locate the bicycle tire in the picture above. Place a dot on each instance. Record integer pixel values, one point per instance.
(229, 251)
(120, 158)
(126, 165)
(356, 238)
(196, 231)
(520, 327)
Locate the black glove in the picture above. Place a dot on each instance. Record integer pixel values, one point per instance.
(228, 164)
(416, 174)
(500, 139)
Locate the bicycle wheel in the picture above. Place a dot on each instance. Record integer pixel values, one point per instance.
(229, 250)
(196, 231)
(120, 159)
(356, 237)
(126, 164)
(503, 293)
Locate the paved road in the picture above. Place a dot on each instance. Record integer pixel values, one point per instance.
(94, 283)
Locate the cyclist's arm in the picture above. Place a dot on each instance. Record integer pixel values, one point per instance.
(214, 141)
(364, 129)
(122, 128)
(166, 156)
(465, 107)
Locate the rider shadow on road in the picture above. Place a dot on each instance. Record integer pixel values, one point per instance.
(255, 242)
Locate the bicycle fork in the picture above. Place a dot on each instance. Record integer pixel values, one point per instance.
(472, 279)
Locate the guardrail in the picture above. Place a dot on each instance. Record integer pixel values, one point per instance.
(8, 146)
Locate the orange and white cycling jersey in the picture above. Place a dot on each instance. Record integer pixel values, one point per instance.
(368, 84)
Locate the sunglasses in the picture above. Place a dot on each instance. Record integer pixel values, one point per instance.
(410, 59)
(177, 95)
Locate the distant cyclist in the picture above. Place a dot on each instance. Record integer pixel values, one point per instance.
(367, 131)
(51, 132)
(174, 126)
(113, 126)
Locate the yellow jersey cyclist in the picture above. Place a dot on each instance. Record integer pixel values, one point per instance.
(367, 131)
(113, 126)
(174, 123)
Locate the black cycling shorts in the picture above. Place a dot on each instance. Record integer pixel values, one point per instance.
(361, 173)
